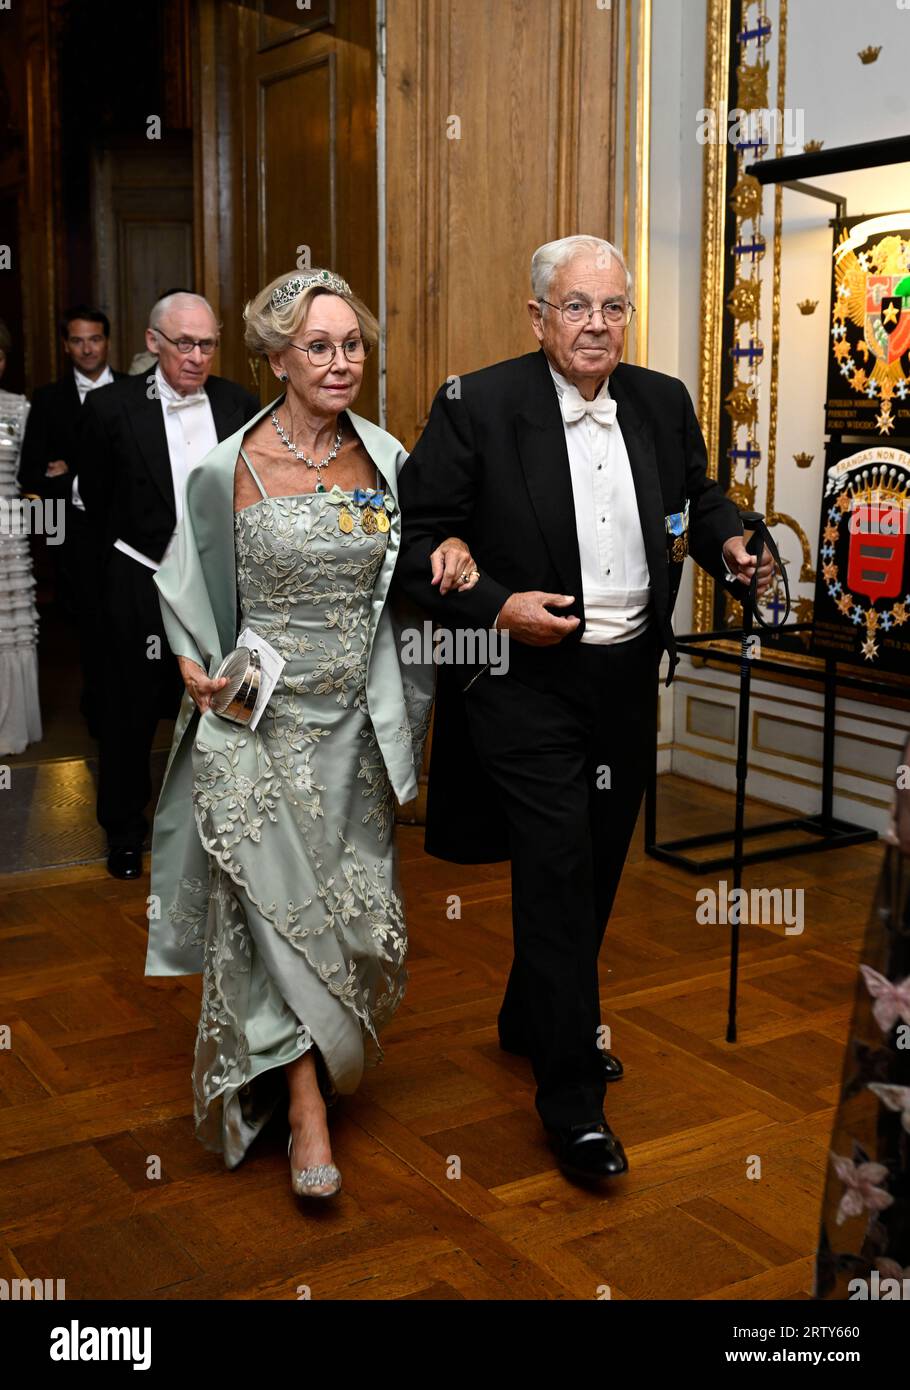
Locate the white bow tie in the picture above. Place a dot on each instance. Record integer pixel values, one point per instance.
(184, 402)
(574, 407)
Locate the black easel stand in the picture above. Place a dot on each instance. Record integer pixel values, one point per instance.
(828, 832)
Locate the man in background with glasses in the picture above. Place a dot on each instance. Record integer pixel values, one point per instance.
(138, 441)
(580, 483)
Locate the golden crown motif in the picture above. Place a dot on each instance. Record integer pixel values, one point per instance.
(812, 146)
(803, 460)
(807, 306)
(881, 487)
(869, 55)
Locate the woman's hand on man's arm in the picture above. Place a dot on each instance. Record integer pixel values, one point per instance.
(452, 566)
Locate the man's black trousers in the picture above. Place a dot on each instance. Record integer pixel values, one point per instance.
(142, 685)
(568, 746)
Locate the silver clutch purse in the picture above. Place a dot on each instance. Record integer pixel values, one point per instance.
(237, 700)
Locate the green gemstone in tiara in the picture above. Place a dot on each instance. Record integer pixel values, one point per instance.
(284, 294)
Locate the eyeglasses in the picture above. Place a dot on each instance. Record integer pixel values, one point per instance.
(578, 310)
(322, 353)
(185, 345)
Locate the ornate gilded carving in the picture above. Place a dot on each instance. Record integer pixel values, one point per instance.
(746, 198)
(717, 45)
(743, 302)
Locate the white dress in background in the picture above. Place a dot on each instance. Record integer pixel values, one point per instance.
(20, 715)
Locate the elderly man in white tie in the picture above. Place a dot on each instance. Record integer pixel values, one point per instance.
(138, 441)
(580, 483)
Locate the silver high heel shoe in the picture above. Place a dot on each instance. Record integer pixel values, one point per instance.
(306, 1181)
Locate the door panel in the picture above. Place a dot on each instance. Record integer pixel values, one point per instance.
(287, 156)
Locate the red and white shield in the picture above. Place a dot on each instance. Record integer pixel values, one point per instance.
(875, 559)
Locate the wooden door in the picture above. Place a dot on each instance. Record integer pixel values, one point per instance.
(287, 172)
(142, 225)
(500, 136)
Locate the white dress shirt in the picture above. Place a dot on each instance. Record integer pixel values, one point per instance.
(616, 583)
(191, 434)
(84, 384)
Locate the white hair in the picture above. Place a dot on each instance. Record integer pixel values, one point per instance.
(178, 300)
(552, 254)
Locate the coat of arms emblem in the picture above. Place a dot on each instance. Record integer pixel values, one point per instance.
(870, 334)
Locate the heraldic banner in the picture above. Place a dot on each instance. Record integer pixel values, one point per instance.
(869, 362)
(862, 592)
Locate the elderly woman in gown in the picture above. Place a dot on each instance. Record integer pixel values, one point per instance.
(273, 863)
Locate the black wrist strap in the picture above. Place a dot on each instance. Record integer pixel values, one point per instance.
(762, 536)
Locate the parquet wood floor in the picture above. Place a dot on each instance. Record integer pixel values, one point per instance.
(450, 1191)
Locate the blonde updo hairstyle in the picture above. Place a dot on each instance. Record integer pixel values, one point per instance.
(270, 329)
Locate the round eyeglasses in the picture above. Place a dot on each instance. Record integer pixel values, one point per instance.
(321, 353)
(185, 345)
(575, 310)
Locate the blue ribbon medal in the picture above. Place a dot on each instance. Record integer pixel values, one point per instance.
(677, 524)
(373, 509)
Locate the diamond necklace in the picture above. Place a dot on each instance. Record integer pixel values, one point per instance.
(310, 463)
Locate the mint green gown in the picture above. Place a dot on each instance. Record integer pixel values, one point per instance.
(304, 938)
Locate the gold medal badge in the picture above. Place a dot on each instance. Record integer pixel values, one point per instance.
(345, 521)
(368, 521)
(680, 548)
(382, 521)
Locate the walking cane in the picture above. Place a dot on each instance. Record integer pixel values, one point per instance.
(756, 535)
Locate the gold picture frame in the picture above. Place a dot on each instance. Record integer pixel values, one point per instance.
(718, 47)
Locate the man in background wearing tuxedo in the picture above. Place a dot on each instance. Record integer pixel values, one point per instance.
(578, 482)
(138, 441)
(48, 470)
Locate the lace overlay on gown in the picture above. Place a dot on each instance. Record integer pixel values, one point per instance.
(305, 938)
(20, 717)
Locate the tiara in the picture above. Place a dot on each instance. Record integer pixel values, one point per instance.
(285, 293)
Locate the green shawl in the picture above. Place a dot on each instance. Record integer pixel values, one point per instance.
(197, 585)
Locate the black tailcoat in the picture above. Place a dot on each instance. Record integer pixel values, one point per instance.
(492, 467)
(126, 483)
(50, 433)
(124, 467)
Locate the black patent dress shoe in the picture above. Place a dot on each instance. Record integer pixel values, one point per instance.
(125, 861)
(613, 1067)
(589, 1151)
